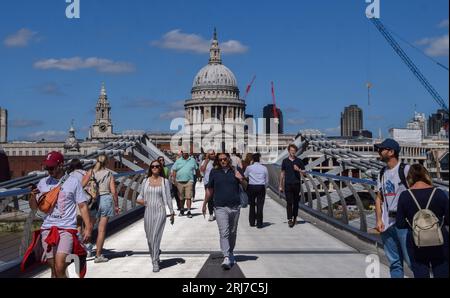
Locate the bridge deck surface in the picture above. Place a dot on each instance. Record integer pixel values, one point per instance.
(191, 249)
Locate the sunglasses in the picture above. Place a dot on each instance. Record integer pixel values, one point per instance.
(223, 159)
(50, 168)
(155, 167)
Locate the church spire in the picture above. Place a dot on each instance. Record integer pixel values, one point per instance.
(214, 52)
(103, 90)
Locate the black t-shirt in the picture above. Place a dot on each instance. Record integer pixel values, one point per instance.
(291, 176)
(226, 187)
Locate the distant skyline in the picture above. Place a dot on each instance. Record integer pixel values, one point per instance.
(320, 54)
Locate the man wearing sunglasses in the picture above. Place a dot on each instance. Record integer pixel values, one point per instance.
(224, 187)
(391, 183)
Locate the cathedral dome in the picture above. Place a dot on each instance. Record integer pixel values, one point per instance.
(215, 75)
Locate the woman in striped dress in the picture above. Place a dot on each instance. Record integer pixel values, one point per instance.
(154, 195)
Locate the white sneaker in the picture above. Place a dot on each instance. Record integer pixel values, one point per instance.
(101, 259)
(212, 218)
(226, 265)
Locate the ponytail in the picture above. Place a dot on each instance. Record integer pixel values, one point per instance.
(101, 163)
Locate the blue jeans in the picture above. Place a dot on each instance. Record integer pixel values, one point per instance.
(105, 206)
(395, 249)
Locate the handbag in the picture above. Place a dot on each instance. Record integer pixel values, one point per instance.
(48, 200)
(92, 190)
(243, 197)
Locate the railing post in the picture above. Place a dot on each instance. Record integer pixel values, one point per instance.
(327, 193)
(362, 213)
(310, 200)
(343, 202)
(318, 201)
(129, 188)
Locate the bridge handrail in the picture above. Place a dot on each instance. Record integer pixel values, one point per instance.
(339, 178)
(325, 196)
(19, 220)
(25, 191)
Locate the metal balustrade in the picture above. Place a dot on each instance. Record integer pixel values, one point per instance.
(18, 221)
(327, 197)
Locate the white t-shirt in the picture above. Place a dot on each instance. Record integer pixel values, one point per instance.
(64, 215)
(236, 161)
(391, 188)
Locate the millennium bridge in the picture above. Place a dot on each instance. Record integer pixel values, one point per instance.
(334, 238)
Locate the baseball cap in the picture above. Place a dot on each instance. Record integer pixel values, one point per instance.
(388, 144)
(54, 159)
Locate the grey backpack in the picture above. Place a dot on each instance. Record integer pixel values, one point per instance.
(425, 226)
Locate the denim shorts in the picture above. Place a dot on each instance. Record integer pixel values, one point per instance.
(105, 206)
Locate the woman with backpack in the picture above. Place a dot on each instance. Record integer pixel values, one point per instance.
(423, 209)
(154, 194)
(108, 201)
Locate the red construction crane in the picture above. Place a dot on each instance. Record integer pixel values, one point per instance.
(275, 111)
(249, 87)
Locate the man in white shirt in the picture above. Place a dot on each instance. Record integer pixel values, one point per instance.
(391, 183)
(258, 180)
(63, 216)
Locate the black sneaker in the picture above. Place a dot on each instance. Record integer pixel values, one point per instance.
(181, 213)
(291, 223)
(189, 215)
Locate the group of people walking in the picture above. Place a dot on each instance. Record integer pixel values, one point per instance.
(402, 191)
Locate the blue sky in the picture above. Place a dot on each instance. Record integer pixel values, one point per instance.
(320, 54)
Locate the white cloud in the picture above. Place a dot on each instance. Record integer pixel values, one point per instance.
(296, 121)
(443, 24)
(49, 135)
(436, 46)
(178, 104)
(25, 123)
(20, 39)
(179, 41)
(75, 63)
(172, 115)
